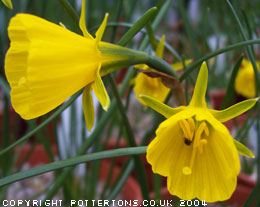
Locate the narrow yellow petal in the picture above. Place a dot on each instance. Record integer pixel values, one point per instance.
(179, 65)
(142, 66)
(101, 29)
(160, 47)
(233, 111)
(101, 93)
(149, 86)
(82, 20)
(198, 98)
(88, 107)
(160, 107)
(243, 150)
(8, 3)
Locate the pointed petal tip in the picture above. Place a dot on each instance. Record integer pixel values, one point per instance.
(106, 107)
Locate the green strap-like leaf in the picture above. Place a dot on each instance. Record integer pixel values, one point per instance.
(8, 3)
(70, 162)
(243, 150)
(233, 111)
(160, 107)
(88, 107)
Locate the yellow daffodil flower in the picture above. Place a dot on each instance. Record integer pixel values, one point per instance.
(245, 79)
(153, 87)
(194, 150)
(46, 64)
(8, 3)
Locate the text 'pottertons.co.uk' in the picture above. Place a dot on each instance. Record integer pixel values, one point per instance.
(103, 203)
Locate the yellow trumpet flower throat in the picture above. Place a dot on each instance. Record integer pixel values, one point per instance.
(42, 62)
(194, 150)
(46, 64)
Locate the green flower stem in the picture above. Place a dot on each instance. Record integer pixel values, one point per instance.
(196, 63)
(151, 36)
(5, 86)
(249, 49)
(128, 25)
(137, 26)
(161, 65)
(91, 139)
(123, 179)
(156, 22)
(230, 89)
(70, 10)
(131, 141)
(70, 162)
(43, 124)
(188, 28)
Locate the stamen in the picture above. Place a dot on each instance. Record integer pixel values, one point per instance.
(192, 125)
(187, 129)
(186, 171)
(201, 144)
(198, 144)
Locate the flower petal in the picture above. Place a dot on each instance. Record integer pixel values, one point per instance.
(101, 29)
(152, 87)
(166, 148)
(160, 107)
(82, 20)
(243, 150)
(100, 92)
(160, 47)
(214, 171)
(40, 67)
(88, 107)
(233, 111)
(8, 3)
(142, 66)
(179, 65)
(198, 98)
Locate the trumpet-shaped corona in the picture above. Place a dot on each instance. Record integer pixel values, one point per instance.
(46, 64)
(194, 150)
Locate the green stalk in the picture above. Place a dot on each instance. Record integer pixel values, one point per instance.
(71, 162)
(43, 124)
(161, 65)
(128, 25)
(138, 26)
(230, 89)
(70, 10)
(249, 49)
(131, 141)
(156, 22)
(59, 181)
(121, 182)
(196, 63)
(188, 28)
(151, 34)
